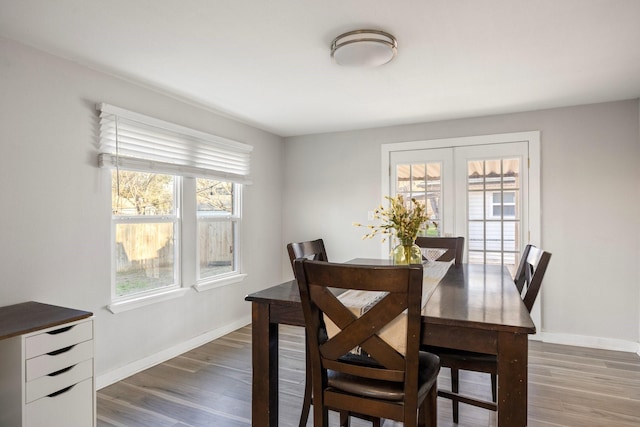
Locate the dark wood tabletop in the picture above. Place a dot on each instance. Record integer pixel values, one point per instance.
(19, 319)
(482, 296)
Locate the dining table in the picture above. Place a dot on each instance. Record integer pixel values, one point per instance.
(472, 307)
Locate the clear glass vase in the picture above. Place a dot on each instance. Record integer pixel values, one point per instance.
(407, 252)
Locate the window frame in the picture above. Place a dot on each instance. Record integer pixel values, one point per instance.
(136, 142)
(173, 218)
(236, 275)
(120, 303)
(185, 240)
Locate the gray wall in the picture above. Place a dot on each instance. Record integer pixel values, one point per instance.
(590, 205)
(55, 214)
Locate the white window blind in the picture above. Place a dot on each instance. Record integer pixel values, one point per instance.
(133, 141)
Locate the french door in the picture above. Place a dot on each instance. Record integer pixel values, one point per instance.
(477, 188)
(484, 188)
(479, 192)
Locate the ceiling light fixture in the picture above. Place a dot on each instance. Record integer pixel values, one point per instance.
(364, 48)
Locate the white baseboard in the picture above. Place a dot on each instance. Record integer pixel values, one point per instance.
(588, 341)
(154, 359)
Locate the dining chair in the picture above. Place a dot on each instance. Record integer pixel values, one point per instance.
(528, 279)
(353, 368)
(453, 245)
(312, 249)
(315, 250)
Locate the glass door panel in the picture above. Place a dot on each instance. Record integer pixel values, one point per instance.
(423, 177)
(490, 196)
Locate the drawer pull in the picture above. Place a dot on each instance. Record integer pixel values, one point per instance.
(62, 350)
(61, 330)
(61, 371)
(59, 392)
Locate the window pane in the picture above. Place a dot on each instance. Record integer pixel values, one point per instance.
(423, 182)
(433, 206)
(476, 236)
(494, 236)
(214, 197)
(476, 205)
(418, 177)
(216, 248)
(476, 257)
(509, 197)
(403, 181)
(509, 211)
(216, 228)
(144, 257)
(475, 171)
(511, 173)
(142, 193)
(434, 178)
(493, 258)
(511, 235)
(493, 174)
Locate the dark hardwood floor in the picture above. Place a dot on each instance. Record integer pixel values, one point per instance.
(211, 386)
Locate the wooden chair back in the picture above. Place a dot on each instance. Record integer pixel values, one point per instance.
(313, 249)
(528, 280)
(402, 289)
(453, 245)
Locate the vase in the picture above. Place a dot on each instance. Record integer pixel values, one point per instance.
(407, 252)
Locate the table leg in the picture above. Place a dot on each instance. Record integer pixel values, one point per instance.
(264, 406)
(512, 379)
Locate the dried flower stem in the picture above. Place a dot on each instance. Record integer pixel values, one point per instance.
(400, 220)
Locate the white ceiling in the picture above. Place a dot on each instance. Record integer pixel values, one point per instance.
(267, 63)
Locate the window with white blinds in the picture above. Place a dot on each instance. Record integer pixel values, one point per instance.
(137, 142)
(175, 207)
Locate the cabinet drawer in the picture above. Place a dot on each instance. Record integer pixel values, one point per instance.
(56, 339)
(53, 383)
(71, 408)
(54, 361)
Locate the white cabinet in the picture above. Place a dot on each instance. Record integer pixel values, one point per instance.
(47, 376)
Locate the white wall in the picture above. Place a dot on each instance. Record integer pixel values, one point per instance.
(55, 214)
(590, 204)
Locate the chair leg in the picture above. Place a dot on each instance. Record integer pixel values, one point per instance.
(320, 416)
(344, 419)
(428, 412)
(455, 379)
(493, 387)
(306, 401)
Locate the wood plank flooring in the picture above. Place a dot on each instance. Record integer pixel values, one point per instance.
(211, 386)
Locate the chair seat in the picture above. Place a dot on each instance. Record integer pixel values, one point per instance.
(429, 366)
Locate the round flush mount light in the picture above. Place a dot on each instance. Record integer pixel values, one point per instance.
(364, 48)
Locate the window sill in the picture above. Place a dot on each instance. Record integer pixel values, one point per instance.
(133, 303)
(217, 283)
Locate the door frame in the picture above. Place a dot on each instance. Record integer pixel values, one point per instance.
(534, 167)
